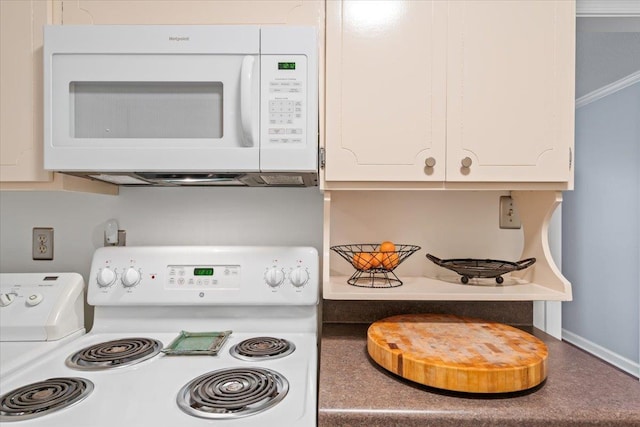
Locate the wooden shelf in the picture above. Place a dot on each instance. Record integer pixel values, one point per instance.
(343, 222)
(444, 289)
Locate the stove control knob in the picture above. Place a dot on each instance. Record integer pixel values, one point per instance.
(299, 277)
(34, 299)
(274, 277)
(130, 277)
(6, 299)
(106, 277)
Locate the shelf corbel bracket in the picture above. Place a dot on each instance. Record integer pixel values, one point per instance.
(535, 209)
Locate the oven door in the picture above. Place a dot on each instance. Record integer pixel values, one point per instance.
(153, 111)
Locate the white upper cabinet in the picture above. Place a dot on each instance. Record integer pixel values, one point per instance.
(21, 87)
(21, 106)
(386, 85)
(510, 90)
(452, 92)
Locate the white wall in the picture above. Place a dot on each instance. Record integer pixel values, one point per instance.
(447, 224)
(601, 231)
(155, 216)
(464, 222)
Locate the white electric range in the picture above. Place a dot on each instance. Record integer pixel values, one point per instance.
(155, 307)
(38, 312)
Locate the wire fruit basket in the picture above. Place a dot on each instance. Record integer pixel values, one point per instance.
(374, 268)
(470, 268)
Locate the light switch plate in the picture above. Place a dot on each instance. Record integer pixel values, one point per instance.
(509, 217)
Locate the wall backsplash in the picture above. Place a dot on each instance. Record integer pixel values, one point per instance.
(247, 216)
(155, 216)
(447, 224)
(255, 216)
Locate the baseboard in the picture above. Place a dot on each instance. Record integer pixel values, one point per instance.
(609, 356)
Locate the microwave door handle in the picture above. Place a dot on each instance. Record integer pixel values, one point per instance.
(246, 117)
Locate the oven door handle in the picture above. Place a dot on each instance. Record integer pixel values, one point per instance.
(246, 104)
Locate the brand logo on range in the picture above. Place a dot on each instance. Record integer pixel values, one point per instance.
(178, 39)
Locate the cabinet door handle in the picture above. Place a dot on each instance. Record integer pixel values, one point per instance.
(430, 162)
(466, 162)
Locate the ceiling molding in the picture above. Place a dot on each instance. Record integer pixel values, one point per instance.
(586, 8)
(608, 89)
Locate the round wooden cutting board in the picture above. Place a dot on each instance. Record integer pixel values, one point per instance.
(458, 353)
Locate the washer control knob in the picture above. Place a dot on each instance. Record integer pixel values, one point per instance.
(130, 277)
(34, 299)
(6, 299)
(274, 277)
(106, 277)
(299, 277)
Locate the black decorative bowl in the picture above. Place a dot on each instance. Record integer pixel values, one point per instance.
(374, 268)
(470, 268)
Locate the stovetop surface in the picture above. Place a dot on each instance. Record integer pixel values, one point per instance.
(15, 355)
(157, 292)
(145, 393)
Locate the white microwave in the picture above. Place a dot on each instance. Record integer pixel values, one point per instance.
(182, 105)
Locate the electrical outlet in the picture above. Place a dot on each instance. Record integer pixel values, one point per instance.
(42, 248)
(509, 217)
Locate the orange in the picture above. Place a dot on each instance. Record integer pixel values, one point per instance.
(390, 260)
(377, 259)
(363, 260)
(387, 246)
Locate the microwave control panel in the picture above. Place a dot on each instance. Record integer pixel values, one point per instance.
(285, 77)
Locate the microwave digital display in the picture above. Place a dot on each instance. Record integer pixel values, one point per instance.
(198, 271)
(286, 65)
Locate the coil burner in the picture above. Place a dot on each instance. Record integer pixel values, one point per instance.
(114, 354)
(42, 398)
(262, 348)
(232, 393)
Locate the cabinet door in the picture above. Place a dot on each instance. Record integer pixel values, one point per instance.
(21, 88)
(510, 90)
(307, 12)
(385, 89)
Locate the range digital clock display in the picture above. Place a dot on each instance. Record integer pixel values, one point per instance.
(203, 271)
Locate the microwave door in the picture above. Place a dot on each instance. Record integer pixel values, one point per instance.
(168, 112)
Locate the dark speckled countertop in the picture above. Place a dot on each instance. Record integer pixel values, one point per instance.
(580, 390)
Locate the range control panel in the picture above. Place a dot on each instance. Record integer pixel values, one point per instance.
(204, 275)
